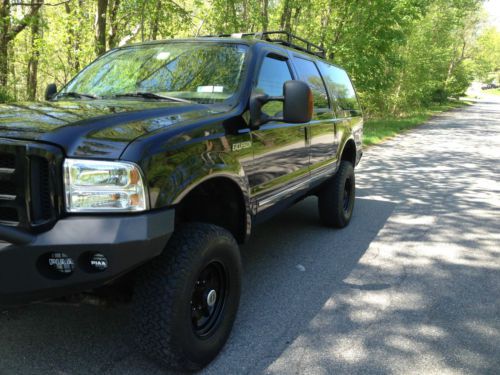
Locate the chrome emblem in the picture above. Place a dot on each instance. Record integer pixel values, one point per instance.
(241, 145)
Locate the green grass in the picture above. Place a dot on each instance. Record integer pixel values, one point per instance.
(492, 91)
(378, 130)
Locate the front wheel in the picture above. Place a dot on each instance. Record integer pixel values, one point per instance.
(336, 198)
(186, 300)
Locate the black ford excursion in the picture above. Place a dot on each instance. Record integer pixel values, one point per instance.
(155, 161)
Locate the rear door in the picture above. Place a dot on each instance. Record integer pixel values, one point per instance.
(349, 115)
(281, 157)
(321, 130)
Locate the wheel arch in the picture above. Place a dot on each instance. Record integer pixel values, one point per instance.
(349, 152)
(221, 199)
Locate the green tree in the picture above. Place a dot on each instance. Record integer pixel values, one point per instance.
(486, 60)
(401, 54)
(10, 27)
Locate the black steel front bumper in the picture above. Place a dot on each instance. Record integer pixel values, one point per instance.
(127, 241)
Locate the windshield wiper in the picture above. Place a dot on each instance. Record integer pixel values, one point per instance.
(152, 95)
(73, 94)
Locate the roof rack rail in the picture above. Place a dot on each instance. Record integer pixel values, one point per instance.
(280, 37)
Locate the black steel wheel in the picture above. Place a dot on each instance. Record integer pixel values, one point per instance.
(186, 300)
(208, 298)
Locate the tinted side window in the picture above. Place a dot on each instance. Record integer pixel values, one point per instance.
(309, 73)
(340, 87)
(273, 74)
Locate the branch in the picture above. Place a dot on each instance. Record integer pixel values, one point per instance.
(126, 39)
(23, 22)
(199, 28)
(179, 8)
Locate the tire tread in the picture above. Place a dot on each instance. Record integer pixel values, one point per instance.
(157, 285)
(330, 202)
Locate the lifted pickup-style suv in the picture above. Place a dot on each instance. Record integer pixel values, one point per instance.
(155, 161)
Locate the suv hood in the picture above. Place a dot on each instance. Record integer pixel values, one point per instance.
(94, 129)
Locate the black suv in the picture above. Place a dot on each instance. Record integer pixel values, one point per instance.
(155, 161)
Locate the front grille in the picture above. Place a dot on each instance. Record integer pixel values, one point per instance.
(41, 206)
(29, 189)
(9, 214)
(7, 187)
(7, 161)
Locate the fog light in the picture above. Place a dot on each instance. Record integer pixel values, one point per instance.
(99, 262)
(61, 263)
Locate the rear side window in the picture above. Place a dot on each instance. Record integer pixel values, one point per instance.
(272, 76)
(341, 88)
(309, 73)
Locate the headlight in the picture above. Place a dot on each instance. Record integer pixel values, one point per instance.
(103, 186)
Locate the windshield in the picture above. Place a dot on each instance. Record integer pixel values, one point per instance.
(204, 73)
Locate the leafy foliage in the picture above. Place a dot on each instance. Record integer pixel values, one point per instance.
(402, 55)
(487, 55)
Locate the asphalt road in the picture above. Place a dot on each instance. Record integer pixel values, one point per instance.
(412, 286)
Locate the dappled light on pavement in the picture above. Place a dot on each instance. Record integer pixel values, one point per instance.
(410, 287)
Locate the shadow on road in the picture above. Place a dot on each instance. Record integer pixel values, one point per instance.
(410, 286)
(278, 300)
(438, 252)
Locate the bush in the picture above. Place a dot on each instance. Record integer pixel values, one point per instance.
(440, 95)
(5, 96)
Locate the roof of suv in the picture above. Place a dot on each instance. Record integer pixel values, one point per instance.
(282, 39)
(245, 41)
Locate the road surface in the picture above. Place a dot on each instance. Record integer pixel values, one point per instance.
(412, 286)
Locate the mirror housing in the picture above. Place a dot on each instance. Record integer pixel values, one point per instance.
(298, 102)
(298, 105)
(50, 91)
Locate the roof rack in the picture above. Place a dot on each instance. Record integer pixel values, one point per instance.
(280, 37)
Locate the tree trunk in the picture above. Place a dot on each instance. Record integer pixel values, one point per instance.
(234, 17)
(296, 18)
(325, 23)
(70, 31)
(155, 27)
(143, 11)
(265, 15)
(4, 50)
(244, 15)
(73, 39)
(9, 32)
(455, 62)
(286, 16)
(32, 76)
(100, 23)
(345, 17)
(4, 65)
(113, 23)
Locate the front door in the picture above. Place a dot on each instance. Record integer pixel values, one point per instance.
(281, 157)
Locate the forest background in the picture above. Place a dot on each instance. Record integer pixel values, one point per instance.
(403, 55)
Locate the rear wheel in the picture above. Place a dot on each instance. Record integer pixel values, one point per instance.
(336, 198)
(186, 300)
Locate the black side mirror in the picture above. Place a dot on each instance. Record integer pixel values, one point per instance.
(297, 101)
(50, 91)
